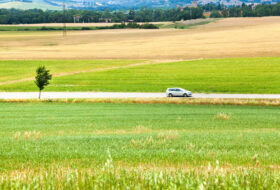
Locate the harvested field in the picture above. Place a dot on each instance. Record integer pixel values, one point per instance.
(231, 37)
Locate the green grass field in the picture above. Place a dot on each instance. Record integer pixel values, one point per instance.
(181, 25)
(24, 5)
(16, 70)
(233, 75)
(87, 145)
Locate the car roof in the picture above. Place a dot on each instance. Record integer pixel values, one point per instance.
(175, 88)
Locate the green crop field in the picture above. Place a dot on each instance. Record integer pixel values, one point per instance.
(230, 75)
(182, 25)
(89, 145)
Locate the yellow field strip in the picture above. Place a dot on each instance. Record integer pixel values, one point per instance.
(189, 101)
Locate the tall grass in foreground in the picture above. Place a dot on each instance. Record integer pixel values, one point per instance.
(111, 178)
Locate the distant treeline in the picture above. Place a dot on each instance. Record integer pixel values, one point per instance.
(54, 28)
(15, 16)
(244, 10)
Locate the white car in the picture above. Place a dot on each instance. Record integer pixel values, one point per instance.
(171, 92)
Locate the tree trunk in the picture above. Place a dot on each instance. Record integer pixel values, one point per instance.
(39, 94)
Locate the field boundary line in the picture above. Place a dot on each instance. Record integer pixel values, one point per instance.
(148, 62)
(158, 100)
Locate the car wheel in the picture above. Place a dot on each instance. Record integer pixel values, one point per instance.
(185, 95)
(170, 95)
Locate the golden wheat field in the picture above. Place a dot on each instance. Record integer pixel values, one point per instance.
(231, 37)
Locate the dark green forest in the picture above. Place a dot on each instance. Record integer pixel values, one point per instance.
(243, 10)
(16, 16)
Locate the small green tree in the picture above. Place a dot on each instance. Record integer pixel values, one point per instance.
(42, 78)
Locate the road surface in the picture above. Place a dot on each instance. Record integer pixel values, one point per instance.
(56, 95)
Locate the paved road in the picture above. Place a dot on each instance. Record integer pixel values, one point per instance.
(53, 95)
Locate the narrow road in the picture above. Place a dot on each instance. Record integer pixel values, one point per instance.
(56, 95)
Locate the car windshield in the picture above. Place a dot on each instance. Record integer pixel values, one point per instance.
(176, 89)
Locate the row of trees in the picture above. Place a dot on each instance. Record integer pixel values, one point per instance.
(15, 16)
(246, 11)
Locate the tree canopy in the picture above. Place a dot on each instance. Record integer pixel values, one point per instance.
(42, 78)
(16, 16)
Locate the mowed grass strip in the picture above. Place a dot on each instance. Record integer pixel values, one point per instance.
(189, 101)
(231, 75)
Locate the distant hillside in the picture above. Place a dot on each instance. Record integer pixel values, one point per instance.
(115, 4)
(28, 4)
